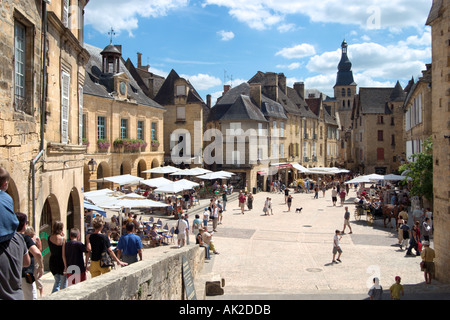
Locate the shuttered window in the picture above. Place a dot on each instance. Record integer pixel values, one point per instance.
(65, 13)
(65, 93)
(80, 114)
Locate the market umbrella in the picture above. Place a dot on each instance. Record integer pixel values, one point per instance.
(163, 170)
(213, 176)
(177, 186)
(156, 182)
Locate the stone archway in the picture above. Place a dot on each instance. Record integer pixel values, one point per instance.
(125, 167)
(50, 213)
(141, 166)
(155, 164)
(74, 214)
(103, 171)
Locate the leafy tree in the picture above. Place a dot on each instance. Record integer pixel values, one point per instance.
(420, 170)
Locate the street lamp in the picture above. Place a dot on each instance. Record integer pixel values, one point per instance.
(92, 165)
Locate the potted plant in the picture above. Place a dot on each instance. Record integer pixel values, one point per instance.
(155, 144)
(85, 142)
(118, 144)
(142, 144)
(103, 144)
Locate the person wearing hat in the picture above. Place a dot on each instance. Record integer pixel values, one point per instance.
(397, 289)
(427, 265)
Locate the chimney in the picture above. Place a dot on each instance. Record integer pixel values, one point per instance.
(226, 87)
(139, 56)
(270, 89)
(282, 82)
(208, 101)
(300, 88)
(255, 93)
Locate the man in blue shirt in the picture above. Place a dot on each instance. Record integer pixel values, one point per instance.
(8, 219)
(129, 246)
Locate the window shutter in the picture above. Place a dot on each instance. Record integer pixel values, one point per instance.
(65, 13)
(65, 88)
(80, 114)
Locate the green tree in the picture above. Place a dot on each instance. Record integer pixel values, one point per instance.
(420, 170)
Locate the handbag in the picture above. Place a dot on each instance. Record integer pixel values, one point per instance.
(176, 230)
(105, 260)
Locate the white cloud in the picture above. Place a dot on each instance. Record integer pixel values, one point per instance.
(202, 81)
(297, 52)
(286, 27)
(368, 14)
(226, 35)
(124, 15)
(292, 66)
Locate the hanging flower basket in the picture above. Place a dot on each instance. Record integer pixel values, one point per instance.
(103, 144)
(155, 145)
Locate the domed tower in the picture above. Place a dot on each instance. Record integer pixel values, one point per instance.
(111, 59)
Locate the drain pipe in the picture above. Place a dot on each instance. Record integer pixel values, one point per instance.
(44, 98)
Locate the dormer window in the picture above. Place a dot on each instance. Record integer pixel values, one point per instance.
(180, 91)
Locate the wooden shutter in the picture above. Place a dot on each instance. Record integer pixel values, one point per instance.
(80, 114)
(65, 93)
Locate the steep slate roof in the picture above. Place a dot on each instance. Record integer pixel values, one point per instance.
(375, 100)
(236, 105)
(165, 94)
(300, 103)
(99, 84)
(398, 94)
(435, 11)
(329, 119)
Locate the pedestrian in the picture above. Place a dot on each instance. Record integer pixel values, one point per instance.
(8, 221)
(182, 228)
(336, 246)
(129, 246)
(185, 218)
(324, 189)
(73, 255)
(224, 200)
(265, 208)
(342, 196)
(376, 291)
(269, 206)
(199, 241)
(56, 262)
(289, 202)
(316, 192)
(215, 217)
(219, 204)
(427, 265)
(37, 267)
(426, 229)
(397, 289)
(196, 225)
(250, 201)
(347, 220)
(334, 196)
(205, 217)
(405, 230)
(286, 195)
(98, 243)
(13, 257)
(28, 273)
(414, 241)
(242, 201)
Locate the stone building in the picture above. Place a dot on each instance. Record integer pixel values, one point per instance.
(417, 109)
(183, 121)
(122, 126)
(42, 76)
(438, 19)
(377, 130)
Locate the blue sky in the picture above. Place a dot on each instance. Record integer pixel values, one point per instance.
(217, 42)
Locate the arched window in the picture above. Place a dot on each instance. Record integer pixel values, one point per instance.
(343, 92)
(349, 92)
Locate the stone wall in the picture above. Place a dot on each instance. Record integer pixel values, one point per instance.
(156, 278)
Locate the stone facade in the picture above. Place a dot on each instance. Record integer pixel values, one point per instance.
(48, 188)
(116, 112)
(438, 19)
(184, 117)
